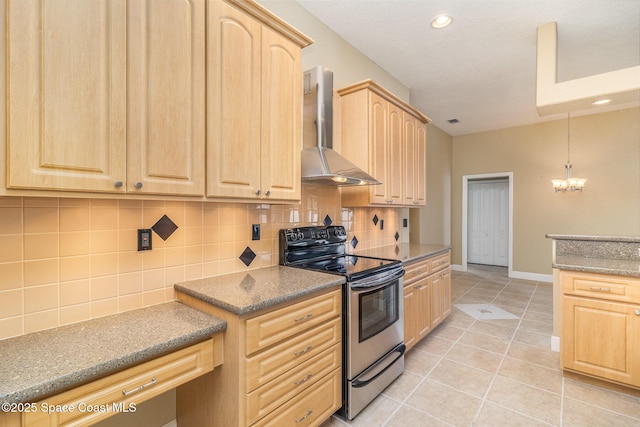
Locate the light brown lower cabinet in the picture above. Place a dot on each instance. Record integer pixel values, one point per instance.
(122, 391)
(427, 296)
(601, 326)
(283, 366)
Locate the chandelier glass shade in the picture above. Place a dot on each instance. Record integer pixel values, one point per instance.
(568, 183)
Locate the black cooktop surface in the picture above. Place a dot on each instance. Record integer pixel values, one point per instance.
(351, 265)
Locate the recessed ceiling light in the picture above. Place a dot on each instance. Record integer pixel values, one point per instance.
(601, 102)
(441, 21)
(452, 121)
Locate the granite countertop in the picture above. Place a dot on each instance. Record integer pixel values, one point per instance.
(247, 292)
(43, 363)
(628, 239)
(598, 265)
(405, 252)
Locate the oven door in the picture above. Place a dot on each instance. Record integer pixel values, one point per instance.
(375, 320)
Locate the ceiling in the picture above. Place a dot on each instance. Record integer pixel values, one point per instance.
(481, 69)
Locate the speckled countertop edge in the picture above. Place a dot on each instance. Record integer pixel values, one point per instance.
(631, 239)
(254, 290)
(405, 252)
(43, 363)
(598, 265)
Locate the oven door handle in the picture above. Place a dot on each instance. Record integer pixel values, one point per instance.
(357, 383)
(373, 281)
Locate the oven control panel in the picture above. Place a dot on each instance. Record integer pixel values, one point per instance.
(314, 235)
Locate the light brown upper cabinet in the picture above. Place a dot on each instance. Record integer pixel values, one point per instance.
(385, 137)
(106, 96)
(254, 102)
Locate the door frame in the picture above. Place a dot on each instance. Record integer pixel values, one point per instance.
(465, 201)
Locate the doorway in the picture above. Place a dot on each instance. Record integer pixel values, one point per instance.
(487, 219)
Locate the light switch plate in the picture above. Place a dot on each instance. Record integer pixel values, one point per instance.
(144, 239)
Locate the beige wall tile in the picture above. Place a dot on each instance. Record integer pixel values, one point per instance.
(104, 287)
(130, 218)
(193, 271)
(10, 276)
(42, 202)
(104, 264)
(40, 246)
(153, 297)
(129, 262)
(153, 259)
(40, 220)
(129, 302)
(75, 218)
(130, 283)
(11, 303)
(11, 220)
(11, 248)
(104, 217)
(193, 214)
(104, 307)
(193, 254)
(128, 240)
(75, 292)
(13, 202)
(11, 327)
(104, 241)
(75, 243)
(40, 321)
(174, 256)
(40, 298)
(67, 202)
(74, 268)
(75, 314)
(174, 275)
(40, 272)
(153, 279)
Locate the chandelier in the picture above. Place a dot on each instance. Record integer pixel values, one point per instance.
(568, 183)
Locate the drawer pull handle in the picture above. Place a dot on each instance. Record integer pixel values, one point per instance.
(309, 412)
(301, 352)
(142, 387)
(303, 318)
(309, 375)
(599, 289)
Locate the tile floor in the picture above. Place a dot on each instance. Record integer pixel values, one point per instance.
(471, 372)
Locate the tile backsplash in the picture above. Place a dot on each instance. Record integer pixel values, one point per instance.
(65, 260)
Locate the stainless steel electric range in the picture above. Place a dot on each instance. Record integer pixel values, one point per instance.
(373, 319)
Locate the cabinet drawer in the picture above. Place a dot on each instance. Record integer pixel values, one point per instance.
(282, 357)
(269, 328)
(439, 262)
(415, 271)
(265, 399)
(115, 393)
(310, 407)
(601, 286)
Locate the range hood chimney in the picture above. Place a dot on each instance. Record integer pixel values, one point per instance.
(320, 164)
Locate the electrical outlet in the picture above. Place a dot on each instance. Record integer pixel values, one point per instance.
(255, 232)
(405, 222)
(144, 239)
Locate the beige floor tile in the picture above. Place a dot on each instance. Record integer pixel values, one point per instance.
(459, 319)
(527, 400)
(578, 414)
(403, 386)
(533, 339)
(511, 301)
(420, 362)
(447, 332)
(492, 329)
(482, 341)
(536, 355)
(538, 317)
(533, 375)
(541, 308)
(492, 415)
(473, 356)
(606, 399)
(462, 377)
(376, 413)
(410, 417)
(445, 403)
(538, 327)
(434, 345)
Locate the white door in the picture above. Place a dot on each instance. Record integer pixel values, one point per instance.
(488, 222)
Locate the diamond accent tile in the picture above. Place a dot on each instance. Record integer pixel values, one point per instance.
(247, 256)
(375, 219)
(327, 221)
(397, 236)
(354, 242)
(164, 227)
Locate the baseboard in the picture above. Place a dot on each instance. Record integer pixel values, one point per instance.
(555, 344)
(536, 277)
(457, 267)
(173, 423)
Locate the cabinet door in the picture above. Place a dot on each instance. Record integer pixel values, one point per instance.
(425, 307)
(410, 316)
(281, 117)
(66, 94)
(409, 176)
(395, 156)
(166, 96)
(420, 165)
(378, 137)
(233, 102)
(436, 285)
(601, 338)
(446, 293)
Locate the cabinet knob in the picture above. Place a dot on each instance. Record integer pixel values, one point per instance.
(117, 184)
(257, 192)
(138, 185)
(268, 193)
(637, 312)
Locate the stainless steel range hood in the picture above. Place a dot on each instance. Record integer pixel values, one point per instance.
(320, 163)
